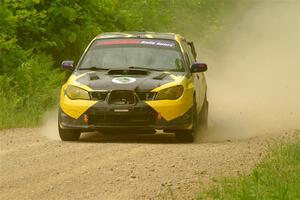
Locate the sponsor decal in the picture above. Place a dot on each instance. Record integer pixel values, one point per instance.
(137, 41)
(112, 42)
(158, 43)
(123, 80)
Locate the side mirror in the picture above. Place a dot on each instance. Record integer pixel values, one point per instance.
(68, 65)
(198, 67)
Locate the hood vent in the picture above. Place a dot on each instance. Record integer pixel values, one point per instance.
(127, 72)
(160, 76)
(93, 76)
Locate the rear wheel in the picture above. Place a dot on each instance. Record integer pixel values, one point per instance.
(68, 134)
(185, 136)
(189, 135)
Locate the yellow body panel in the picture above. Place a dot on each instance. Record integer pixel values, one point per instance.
(74, 108)
(72, 81)
(171, 109)
(178, 80)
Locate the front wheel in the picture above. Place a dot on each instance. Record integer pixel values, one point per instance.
(68, 134)
(185, 136)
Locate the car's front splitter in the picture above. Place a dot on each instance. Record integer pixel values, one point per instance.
(140, 116)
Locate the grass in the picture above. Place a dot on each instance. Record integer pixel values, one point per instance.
(276, 177)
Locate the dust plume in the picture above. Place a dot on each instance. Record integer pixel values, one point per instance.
(253, 78)
(49, 125)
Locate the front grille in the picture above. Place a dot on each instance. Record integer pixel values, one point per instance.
(98, 96)
(122, 119)
(146, 96)
(121, 97)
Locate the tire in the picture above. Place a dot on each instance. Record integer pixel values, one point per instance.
(203, 118)
(68, 134)
(189, 135)
(185, 136)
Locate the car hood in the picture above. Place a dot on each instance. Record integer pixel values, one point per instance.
(137, 80)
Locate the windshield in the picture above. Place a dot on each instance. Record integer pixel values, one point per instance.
(130, 53)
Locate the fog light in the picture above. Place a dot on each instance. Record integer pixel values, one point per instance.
(85, 119)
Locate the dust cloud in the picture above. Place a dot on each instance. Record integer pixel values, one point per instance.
(253, 78)
(49, 125)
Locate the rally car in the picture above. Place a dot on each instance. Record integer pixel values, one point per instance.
(137, 81)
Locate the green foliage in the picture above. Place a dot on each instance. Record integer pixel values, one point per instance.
(10, 53)
(27, 93)
(277, 177)
(63, 28)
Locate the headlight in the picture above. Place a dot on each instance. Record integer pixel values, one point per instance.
(74, 92)
(171, 93)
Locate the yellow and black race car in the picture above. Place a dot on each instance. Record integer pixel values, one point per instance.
(139, 81)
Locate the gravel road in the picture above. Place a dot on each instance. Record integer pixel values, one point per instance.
(119, 167)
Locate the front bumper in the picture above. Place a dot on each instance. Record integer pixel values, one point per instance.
(139, 116)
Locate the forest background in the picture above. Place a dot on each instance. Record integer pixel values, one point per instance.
(37, 35)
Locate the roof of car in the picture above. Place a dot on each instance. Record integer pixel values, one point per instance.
(169, 36)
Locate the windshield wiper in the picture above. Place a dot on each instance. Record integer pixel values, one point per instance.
(146, 68)
(93, 68)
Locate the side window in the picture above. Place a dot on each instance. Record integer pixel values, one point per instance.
(187, 59)
(193, 50)
(190, 53)
(187, 53)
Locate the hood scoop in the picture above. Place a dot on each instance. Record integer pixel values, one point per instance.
(127, 72)
(93, 76)
(160, 76)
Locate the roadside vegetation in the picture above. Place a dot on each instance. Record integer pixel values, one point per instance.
(36, 35)
(276, 177)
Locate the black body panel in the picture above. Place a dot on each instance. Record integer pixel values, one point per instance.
(104, 81)
(139, 116)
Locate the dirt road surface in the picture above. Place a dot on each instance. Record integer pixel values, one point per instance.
(119, 167)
